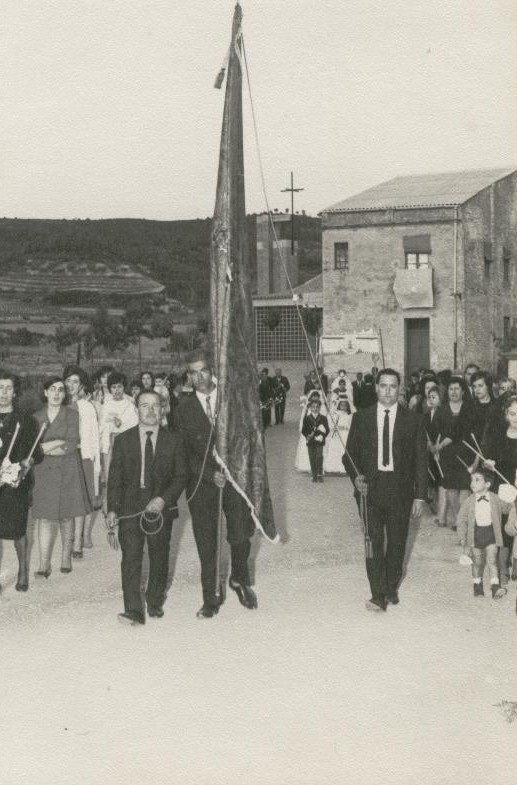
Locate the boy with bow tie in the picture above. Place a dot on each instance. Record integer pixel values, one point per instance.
(315, 428)
(479, 529)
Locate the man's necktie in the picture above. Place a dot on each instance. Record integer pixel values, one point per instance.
(386, 439)
(482, 499)
(209, 412)
(148, 462)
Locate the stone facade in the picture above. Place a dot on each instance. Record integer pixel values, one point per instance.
(465, 316)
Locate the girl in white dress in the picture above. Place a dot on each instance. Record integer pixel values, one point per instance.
(336, 441)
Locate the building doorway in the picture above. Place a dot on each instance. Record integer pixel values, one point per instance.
(417, 353)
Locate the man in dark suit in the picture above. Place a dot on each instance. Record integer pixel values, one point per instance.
(196, 422)
(386, 458)
(280, 385)
(266, 396)
(358, 387)
(148, 472)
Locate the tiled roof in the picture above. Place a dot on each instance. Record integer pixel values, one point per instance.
(423, 190)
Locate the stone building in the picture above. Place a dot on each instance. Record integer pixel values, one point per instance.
(429, 260)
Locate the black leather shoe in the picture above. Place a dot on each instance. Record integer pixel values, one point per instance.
(375, 604)
(207, 611)
(22, 585)
(156, 612)
(392, 598)
(246, 595)
(131, 618)
(66, 570)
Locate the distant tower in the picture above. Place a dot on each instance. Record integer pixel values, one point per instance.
(271, 277)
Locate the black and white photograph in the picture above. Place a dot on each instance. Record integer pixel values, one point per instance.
(249, 249)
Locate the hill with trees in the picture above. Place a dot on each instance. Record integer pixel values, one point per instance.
(174, 253)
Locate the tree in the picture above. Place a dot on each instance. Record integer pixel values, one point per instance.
(107, 331)
(312, 320)
(135, 320)
(272, 318)
(66, 336)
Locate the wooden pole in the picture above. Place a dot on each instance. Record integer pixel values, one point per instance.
(218, 546)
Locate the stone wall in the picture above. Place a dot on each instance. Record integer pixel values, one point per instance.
(362, 297)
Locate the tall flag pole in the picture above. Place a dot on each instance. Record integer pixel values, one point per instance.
(239, 437)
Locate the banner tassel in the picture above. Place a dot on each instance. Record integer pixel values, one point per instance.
(241, 493)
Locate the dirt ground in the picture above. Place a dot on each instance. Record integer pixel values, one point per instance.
(310, 689)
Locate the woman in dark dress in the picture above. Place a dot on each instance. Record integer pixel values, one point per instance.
(431, 418)
(484, 404)
(500, 448)
(14, 501)
(454, 426)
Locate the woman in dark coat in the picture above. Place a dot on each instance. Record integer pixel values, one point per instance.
(453, 422)
(60, 493)
(14, 501)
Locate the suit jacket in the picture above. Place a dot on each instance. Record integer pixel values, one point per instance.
(358, 393)
(310, 428)
(467, 518)
(280, 386)
(266, 391)
(409, 451)
(169, 471)
(198, 439)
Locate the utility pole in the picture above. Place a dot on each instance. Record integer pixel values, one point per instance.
(292, 190)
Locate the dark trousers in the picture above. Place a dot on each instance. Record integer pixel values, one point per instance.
(266, 416)
(315, 450)
(279, 411)
(132, 539)
(239, 527)
(387, 512)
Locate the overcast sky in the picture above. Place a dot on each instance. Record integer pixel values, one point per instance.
(107, 107)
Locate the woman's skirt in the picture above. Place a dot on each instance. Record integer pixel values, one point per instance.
(60, 488)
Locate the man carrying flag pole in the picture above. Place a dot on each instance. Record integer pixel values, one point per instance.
(221, 423)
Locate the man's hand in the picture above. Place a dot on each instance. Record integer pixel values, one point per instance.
(417, 508)
(488, 463)
(111, 520)
(360, 483)
(113, 539)
(219, 479)
(156, 505)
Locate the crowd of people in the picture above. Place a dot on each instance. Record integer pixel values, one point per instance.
(469, 423)
(126, 452)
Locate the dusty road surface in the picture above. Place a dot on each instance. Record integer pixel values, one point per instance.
(310, 689)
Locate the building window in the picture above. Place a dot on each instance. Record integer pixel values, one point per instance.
(416, 260)
(506, 265)
(507, 326)
(340, 256)
(487, 254)
(417, 249)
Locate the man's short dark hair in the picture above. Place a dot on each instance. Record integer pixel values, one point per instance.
(387, 372)
(199, 355)
(148, 392)
(117, 378)
(471, 365)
